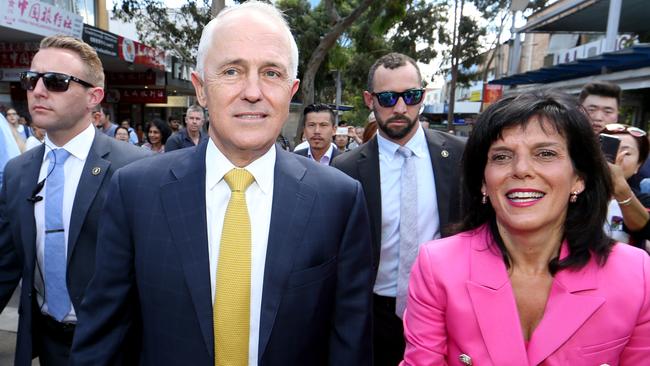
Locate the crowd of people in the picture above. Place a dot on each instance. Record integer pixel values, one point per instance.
(390, 244)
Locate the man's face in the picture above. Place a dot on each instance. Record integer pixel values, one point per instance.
(247, 86)
(61, 111)
(341, 141)
(319, 130)
(601, 110)
(12, 116)
(194, 121)
(396, 123)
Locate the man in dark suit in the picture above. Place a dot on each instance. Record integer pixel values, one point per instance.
(64, 84)
(410, 179)
(289, 284)
(319, 129)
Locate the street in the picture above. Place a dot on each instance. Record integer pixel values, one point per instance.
(8, 328)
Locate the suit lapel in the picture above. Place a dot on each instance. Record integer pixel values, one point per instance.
(93, 174)
(567, 308)
(442, 170)
(292, 205)
(31, 168)
(183, 201)
(494, 303)
(368, 165)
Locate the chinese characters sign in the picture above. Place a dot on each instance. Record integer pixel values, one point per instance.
(16, 55)
(39, 18)
(131, 95)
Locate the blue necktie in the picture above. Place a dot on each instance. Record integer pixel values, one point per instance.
(56, 292)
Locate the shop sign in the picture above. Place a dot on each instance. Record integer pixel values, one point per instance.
(138, 53)
(181, 70)
(40, 18)
(131, 95)
(131, 78)
(103, 42)
(491, 93)
(17, 54)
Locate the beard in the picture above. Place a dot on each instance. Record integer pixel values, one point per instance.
(399, 132)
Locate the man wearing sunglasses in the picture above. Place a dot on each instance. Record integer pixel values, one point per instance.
(410, 179)
(52, 196)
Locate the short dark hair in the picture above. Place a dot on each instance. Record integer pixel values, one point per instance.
(319, 107)
(602, 89)
(120, 128)
(391, 61)
(583, 226)
(165, 130)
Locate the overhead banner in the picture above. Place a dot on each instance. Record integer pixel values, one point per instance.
(40, 18)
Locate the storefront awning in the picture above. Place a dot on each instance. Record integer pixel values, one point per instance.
(635, 57)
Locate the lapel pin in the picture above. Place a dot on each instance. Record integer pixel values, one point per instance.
(465, 359)
(444, 153)
(96, 170)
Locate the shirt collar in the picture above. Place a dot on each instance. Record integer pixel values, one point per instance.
(217, 165)
(417, 144)
(79, 146)
(328, 153)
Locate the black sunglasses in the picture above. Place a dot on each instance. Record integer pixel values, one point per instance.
(53, 81)
(389, 98)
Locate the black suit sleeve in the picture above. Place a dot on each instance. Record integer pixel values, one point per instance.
(10, 264)
(108, 311)
(351, 336)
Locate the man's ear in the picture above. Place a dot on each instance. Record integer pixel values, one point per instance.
(198, 87)
(368, 99)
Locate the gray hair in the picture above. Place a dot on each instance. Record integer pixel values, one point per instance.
(195, 108)
(268, 11)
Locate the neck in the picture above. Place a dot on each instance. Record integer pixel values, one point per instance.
(318, 154)
(62, 137)
(241, 158)
(532, 252)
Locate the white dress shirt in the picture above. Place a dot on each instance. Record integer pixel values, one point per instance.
(259, 201)
(325, 159)
(78, 147)
(390, 170)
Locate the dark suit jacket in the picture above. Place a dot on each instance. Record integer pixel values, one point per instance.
(305, 152)
(18, 228)
(446, 151)
(317, 281)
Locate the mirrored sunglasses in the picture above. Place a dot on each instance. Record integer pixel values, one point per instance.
(53, 81)
(390, 98)
(618, 127)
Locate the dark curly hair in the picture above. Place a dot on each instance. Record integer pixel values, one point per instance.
(583, 227)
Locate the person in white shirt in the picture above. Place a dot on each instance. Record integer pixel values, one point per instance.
(410, 177)
(319, 129)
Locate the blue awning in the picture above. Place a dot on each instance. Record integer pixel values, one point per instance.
(634, 57)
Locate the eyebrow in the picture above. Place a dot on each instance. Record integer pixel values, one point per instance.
(535, 146)
(243, 62)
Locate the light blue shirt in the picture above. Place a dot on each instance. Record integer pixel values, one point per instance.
(390, 170)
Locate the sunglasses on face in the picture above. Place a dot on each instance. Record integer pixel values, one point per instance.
(617, 127)
(390, 98)
(53, 81)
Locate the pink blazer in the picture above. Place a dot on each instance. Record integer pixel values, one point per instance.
(461, 302)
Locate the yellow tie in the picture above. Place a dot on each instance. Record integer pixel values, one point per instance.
(231, 312)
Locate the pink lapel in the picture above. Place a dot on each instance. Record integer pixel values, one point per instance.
(494, 303)
(566, 309)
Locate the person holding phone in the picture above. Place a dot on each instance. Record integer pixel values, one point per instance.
(628, 220)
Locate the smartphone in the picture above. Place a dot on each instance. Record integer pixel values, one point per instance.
(609, 145)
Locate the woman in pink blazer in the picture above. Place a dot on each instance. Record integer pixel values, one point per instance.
(533, 279)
